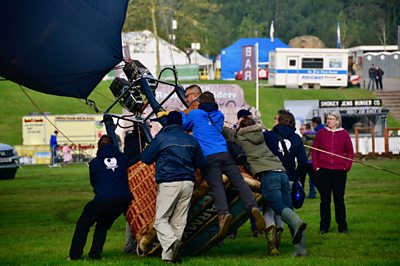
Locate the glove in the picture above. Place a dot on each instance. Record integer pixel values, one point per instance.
(162, 113)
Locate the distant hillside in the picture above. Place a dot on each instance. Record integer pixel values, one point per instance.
(15, 104)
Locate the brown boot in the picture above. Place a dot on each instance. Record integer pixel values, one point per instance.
(270, 234)
(224, 222)
(279, 233)
(259, 219)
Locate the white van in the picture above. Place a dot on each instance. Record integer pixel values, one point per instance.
(308, 67)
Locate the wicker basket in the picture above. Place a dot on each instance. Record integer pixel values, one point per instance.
(142, 210)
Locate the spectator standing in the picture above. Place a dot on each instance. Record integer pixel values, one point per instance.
(308, 137)
(176, 154)
(108, 177)
(379, 76)
(316, 123)
(206, 123)
(275, 186)
(372, 77)
(53, 148)
(331, 170)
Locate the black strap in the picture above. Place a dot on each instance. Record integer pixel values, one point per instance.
(209, 117)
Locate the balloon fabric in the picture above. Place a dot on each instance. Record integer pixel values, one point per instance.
(60, 47)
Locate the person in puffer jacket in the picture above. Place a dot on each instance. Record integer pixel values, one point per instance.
(109, 179)
(331, 170)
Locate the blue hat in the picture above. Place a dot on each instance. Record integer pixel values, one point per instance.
(174, 117)
(243, 113)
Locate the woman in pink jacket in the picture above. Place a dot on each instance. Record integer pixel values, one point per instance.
(332, 170)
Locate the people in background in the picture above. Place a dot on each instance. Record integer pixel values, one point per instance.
(372, 77)
(108, 177)
(308, 136)
(53, 148)
(67, 153)
(206, 123)
(379, 77)
(275, 186)
(331, 161)
(316, 123)
(177, 155)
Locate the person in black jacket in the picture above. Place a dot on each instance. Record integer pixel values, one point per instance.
(285, 128)
(108, 177)
(378, 78)
(176, 154)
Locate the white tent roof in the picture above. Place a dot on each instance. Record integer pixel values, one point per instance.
(142, 47)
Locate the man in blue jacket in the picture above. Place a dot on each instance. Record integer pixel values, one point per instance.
(108, 177)
(176, 154)
(206, 123)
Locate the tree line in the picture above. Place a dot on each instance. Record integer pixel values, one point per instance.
(216, 24)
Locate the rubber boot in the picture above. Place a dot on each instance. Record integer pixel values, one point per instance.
(270, 235)
(224, 222)
(300, 249)
(279, 234)
(295, 224)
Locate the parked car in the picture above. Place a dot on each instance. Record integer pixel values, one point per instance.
(9, 161)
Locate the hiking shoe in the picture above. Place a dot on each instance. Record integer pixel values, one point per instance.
(259, 219)
(224, 222)
(176, 251)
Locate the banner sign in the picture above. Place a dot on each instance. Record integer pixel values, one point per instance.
(249, 63)
(350, 103)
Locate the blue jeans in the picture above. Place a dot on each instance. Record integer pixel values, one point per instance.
(275, 190)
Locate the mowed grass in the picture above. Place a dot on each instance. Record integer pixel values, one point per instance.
(39, 208)
(14, 103)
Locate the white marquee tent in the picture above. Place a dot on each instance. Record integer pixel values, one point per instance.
(142, 47)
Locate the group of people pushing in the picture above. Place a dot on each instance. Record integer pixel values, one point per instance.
(178, 154)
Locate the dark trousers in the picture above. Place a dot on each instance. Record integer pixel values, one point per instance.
(332, 182)
(312, 181)
(103, 214)
(223, 163)
(378, 84)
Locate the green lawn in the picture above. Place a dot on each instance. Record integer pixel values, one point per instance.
(39, 208)
(15, 104)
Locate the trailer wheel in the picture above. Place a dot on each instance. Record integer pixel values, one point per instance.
(317, 86)
(305, 86)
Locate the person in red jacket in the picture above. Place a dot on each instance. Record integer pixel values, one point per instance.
(331, 170)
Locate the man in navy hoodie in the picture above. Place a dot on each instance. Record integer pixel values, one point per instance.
(206, 123)
(285, 128)
(108, 177)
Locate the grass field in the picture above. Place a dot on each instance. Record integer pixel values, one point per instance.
(14, 103)
(39, 208)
